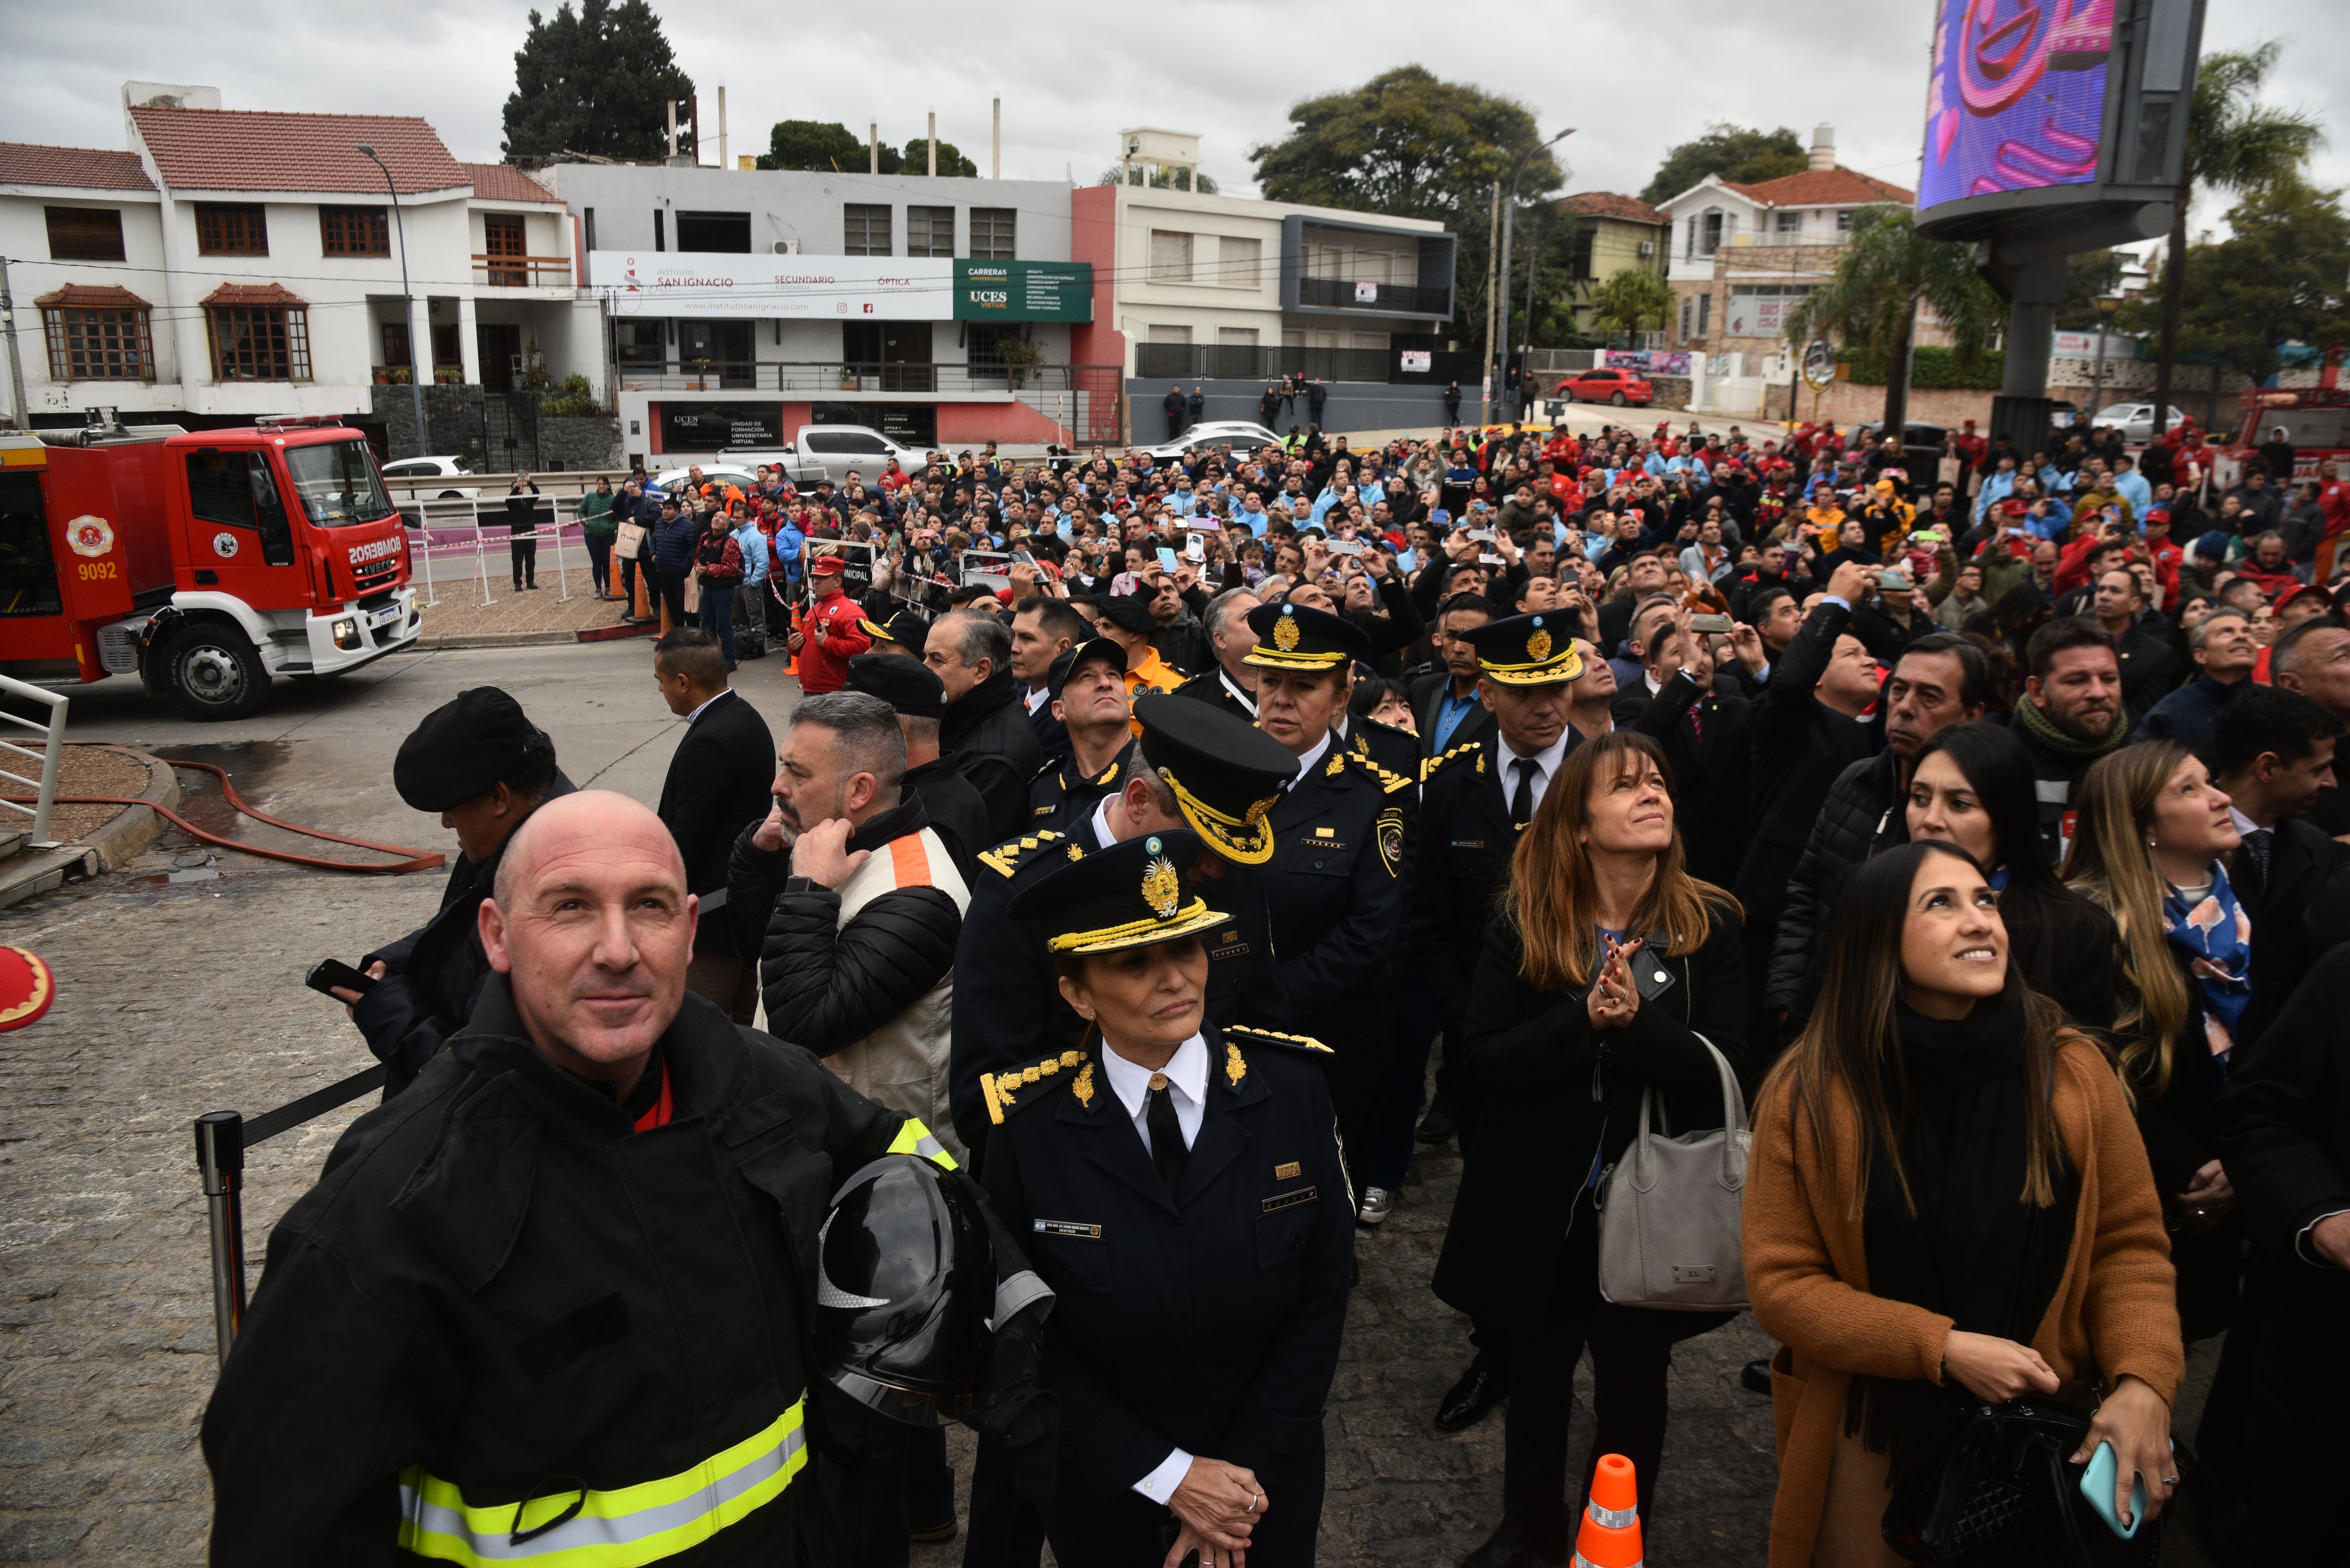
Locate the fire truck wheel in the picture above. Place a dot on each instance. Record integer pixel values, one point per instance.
(215, 673)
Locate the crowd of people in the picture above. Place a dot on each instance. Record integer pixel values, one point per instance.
(1976, 829)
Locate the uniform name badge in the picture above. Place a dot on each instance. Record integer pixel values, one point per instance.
(1077, 1228)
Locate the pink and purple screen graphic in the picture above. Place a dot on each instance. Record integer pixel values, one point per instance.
(2018, 93)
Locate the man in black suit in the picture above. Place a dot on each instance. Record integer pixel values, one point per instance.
(717, 785)
(1446, 699)
(1043, 629)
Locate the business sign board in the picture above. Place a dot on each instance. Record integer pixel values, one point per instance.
(715, 427)
(1023, 291)
(1646, 361)
(1418, 361)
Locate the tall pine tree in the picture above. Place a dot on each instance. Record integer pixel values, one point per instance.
(597, 81)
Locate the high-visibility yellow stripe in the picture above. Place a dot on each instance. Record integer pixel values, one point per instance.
(625, 1528)
(915, 1138)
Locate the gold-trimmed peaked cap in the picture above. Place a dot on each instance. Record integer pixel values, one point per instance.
(1291, 636)
(1227, 775)
(1535, 650)
(1134, 893)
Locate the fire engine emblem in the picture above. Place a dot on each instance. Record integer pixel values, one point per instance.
(89, 536)
(223, 544)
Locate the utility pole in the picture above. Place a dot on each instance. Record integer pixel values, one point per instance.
(1492, 245)
(24, 421)
(1509, 228)
(934, 144)
(419, 355)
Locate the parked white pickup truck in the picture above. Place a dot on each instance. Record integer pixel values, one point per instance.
(830, 452)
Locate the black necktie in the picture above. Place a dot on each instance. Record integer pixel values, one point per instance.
(2257, 843)
(1167, 1150)
(1522, 803)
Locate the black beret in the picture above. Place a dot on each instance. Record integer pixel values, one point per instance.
(911, 688)
(1127, 612)
(461, 750)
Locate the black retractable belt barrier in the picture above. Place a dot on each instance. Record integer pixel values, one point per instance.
(221, 1138)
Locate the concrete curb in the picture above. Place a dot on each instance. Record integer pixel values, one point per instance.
(497, 640)
(135, 827)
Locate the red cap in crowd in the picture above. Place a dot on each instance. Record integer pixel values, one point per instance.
(826, 566)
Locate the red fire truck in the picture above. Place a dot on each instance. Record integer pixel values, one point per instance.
(202, 562)
(2317, 421)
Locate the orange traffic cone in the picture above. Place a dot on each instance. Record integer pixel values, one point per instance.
(1610, 1534)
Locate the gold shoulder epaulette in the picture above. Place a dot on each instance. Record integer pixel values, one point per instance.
(1275, 1037)
(1005, 859)
(1005, 1090)
(1430, 765)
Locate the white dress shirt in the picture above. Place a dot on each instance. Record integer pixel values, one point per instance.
(1187, 1086)
(1546, 764)
(1038, 699)
(1306, 765)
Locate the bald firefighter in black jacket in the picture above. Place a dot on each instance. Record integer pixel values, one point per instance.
(555, 1299)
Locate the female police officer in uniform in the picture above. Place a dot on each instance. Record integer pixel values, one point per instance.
(1180, 1187)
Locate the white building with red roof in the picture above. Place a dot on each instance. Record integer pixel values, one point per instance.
(234, 263)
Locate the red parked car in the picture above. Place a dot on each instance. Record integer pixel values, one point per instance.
(1617, 387)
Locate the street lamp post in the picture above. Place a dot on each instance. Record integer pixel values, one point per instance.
(2106, 303)
(416, 360)
(1509, 227)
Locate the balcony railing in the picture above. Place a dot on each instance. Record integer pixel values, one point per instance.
(829, 380)
(523, 272)
(1403, 299)
(1238, 362)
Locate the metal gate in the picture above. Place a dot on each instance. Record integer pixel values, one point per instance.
(510, 432)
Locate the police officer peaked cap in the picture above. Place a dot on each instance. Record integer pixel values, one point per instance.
(1127, 612)
(904, 628)
(1094, 650)
(905, 1279)
(1535, 650)
(463, 749)
(911, 688)
(1227, 775)
(1296, 637)
(1131, 894)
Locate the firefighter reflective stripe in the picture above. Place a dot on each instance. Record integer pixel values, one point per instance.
(915, 1138)
(625, 1528)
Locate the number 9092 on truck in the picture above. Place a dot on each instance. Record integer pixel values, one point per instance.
(203, 562)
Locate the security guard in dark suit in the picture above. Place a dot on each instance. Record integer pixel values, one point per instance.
(1101, 726)
(1472, 810)
(1335, 885)
(1179, 1188)
(1195, 767)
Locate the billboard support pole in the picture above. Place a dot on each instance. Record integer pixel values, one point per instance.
(2034, 289)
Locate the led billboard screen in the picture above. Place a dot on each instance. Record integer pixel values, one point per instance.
(2018, 96)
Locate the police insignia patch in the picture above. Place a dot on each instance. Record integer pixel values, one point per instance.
(1236, 1065)
(1338, 763)
(1538, 646)
(1284, 633)
(1084, 1087)
(1390, 836)
(1162, 888)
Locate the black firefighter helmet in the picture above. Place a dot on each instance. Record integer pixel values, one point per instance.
(905, 1279)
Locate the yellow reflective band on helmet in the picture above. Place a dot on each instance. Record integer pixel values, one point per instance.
(625, 1528)
(915, 1138)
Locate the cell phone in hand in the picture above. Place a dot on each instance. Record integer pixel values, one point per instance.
(1195, 548)
(1711, 625)
(1167, 558)
(327, 974)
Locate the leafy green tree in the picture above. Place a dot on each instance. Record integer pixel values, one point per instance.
(597, 81)
(1409, 145)
(1871, 301)
(1630, 300)
(1738, 153)
(2087, 274)
(2234, 144)
(2282, 277)
(917, 160)
(819, 146)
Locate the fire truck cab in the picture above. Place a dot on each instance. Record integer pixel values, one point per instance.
(203, 562)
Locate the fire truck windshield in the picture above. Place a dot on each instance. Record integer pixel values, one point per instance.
(337, 483)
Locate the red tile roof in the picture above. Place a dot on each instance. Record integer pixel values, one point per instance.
(88, 167)
(240, 149)
(93, 296)
(1822, 188)
(505, 183)
(1609, 204)
(254, 293)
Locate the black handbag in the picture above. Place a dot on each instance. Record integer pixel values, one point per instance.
(2004, 1494)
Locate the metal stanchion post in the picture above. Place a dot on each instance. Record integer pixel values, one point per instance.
(481, 567)
(425, 556)
(220, 1157)
(562, 579)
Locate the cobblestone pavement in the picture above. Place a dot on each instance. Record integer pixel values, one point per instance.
(181, 996)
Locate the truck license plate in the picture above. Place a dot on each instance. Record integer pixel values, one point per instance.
(385, 617)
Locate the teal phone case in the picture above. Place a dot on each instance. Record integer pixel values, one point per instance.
(2097, 1486)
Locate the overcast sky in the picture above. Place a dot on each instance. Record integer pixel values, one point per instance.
(1634, 79)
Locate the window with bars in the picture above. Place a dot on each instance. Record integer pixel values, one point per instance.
(354, 231)
(231, 229)
(929, 231)
(866, 229)
(99, 345)
(84, 233)
(993, 231)
(259, 342)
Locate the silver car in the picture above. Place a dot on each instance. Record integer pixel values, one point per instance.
(2135, 421)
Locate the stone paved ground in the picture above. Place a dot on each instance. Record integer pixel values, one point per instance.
(180, 992)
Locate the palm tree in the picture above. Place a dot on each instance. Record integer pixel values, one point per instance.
(2234, 145)
(1871, 301)
(1630, 296)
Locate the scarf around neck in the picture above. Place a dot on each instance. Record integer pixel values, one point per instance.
(2215, 935)
(2046, 732)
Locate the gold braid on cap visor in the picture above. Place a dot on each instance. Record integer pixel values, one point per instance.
(1264, 658)
(1567, 666)
(1244, 840)
(1193, 918)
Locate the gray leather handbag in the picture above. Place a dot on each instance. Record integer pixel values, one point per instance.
(1668, 1211)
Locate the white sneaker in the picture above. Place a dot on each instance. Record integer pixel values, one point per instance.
(1377, 1201)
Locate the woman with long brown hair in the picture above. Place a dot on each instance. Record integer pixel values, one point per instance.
(1608, 971)
(1947, 1207)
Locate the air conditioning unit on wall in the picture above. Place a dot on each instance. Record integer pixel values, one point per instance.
(1647, 247)
(786, 247)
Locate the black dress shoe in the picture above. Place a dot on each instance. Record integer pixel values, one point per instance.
(1755, 1376)
(1518, 1545)
(1436, 1127)
(1479, 1389)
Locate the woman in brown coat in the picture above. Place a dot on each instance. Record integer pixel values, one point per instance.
(1948, 1205)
